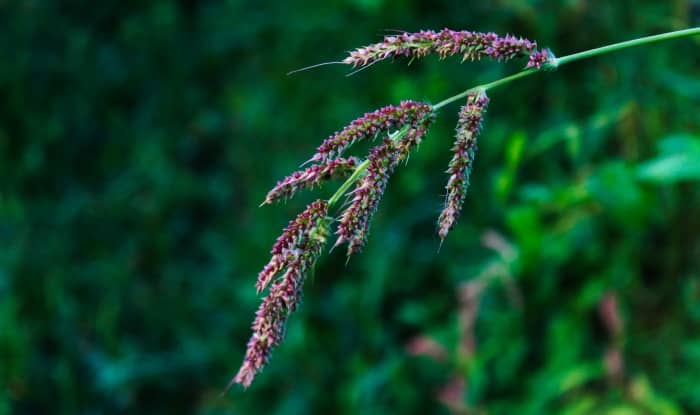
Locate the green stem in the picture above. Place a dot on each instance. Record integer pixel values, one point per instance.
(484, 87)
(628, 44)
(572, 58)
(360, 169)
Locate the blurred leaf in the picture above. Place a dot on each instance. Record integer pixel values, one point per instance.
(681, 84)
(643, 393)
(582, 405)
(614, 186)
(678, 160)
(507, 177)
(622, 410)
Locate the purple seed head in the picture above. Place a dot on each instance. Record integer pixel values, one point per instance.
(371, 124)
(311, 176)
(297, 250)
(383, 159)
(470, 45)
(293, 239)
(541, 58)
(464, 149)
(368, 191)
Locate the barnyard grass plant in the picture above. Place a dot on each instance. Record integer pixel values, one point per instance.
(397, 130)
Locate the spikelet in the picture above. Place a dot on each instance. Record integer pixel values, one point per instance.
(543, 58)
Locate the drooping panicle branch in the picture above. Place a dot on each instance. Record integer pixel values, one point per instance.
(296, 251)
(464, 149)
(368, 191)
(470, 45)
(371, 124)
(383, 159)
(294, 236)
(311, 176)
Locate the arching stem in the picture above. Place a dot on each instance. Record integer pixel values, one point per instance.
(360, 169)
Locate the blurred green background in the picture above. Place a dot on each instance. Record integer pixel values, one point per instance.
(138, 138)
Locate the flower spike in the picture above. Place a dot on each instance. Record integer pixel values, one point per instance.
(471, 46)
(371, 124)
(294, 236)
(383, 159)
(368, 191)
(295, 252)
(470, 118)
(311, 176)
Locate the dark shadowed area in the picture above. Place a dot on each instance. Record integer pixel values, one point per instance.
(137, 140)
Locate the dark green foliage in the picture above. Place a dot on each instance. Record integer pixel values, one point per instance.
(138, 138)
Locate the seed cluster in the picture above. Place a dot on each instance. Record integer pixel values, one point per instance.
(464, 150)
(371, 124)
(470, 45)
(295, 253)
(541, 58)
(383, 159)
(368, 191)
(311, 176)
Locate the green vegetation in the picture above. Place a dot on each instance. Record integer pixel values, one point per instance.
(137, 140)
